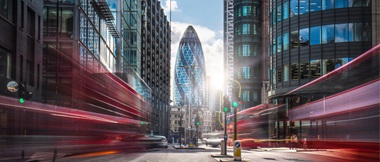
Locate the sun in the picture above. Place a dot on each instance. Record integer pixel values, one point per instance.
(217, 80)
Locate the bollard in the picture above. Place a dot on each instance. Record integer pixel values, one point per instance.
(223, 151)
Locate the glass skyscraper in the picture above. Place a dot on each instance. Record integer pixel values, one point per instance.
(190, 71)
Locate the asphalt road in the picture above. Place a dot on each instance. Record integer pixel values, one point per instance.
(201, 155)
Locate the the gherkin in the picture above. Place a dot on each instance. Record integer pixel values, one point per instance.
(190, 71)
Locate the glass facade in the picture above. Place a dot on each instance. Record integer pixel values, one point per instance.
(310, 44)
(190, 70)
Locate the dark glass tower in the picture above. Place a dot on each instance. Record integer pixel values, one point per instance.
(310, 38)
(247, 52)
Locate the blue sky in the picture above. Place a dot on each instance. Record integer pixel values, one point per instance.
(206, 16)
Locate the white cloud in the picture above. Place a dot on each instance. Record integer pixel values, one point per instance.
(212, 45)
(173, 6)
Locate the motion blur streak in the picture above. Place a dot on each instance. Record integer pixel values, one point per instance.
(98, 153)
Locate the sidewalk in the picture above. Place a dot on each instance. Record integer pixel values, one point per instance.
(187, 147)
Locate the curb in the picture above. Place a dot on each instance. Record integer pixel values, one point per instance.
(190, 148)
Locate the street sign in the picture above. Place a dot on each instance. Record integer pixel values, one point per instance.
(237, 151)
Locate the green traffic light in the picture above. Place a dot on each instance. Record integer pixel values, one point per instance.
(21, 100)
(198, 123)
(225, 109)
(142, 123)
(235, 104)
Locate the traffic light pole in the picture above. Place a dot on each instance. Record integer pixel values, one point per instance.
(225, 133)
(235, 120)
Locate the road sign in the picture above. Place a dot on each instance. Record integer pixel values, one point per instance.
(237, 151)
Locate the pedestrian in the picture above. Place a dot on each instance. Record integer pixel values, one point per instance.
(291, 141)
(304, 144)
(295, 141)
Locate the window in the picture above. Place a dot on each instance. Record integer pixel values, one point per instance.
(294, 71)
(341, 32)
(279, 74)
(304, 37)
(315, 35)
(279, 43)
(274, 76)
(315, 68)
(246, 72)
(285, 41)
(246, 28)
(327, 4)
(246, 50)
(286, 73)
(254, 29)
(5, 63)
(285, 10)
(7, 10)
(237, 30)
(328, 66)
(341, 61)
(327, 34)
(254, 11)
(30, 23)
(293, 8)
(355, 32)
(238, 12)
(294, 39)
(255, 50)
(245, 96)
(304, 7)
(274, 46)
(304, 70)
(255, 96)
(279, 13)
(341, 3)
(315, 5)
(247, 11)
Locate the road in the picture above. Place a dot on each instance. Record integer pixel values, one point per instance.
(201, 155)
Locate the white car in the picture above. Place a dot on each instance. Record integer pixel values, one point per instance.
(214, 142)
(162, 141)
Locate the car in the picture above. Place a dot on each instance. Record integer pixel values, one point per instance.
(214, 142)
(162, 141)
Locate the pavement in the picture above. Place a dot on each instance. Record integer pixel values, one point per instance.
(187, 147)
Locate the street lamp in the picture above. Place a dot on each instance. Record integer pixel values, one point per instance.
(180, 123)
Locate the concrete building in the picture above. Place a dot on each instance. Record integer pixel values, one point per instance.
(155, 62)
(21, 44)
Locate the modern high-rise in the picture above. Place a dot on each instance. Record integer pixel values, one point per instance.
(248, 62)
(312, 38)
(190, 71)
(155, 62)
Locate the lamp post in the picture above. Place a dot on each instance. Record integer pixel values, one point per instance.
(180, 124)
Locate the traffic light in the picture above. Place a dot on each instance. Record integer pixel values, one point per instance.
(23, 94)
(235, 104)
(197, 121)
(226, 104)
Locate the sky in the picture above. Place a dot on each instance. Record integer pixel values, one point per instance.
(206, 16)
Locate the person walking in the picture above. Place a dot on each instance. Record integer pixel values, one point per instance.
(304, 144)
(295, 141)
